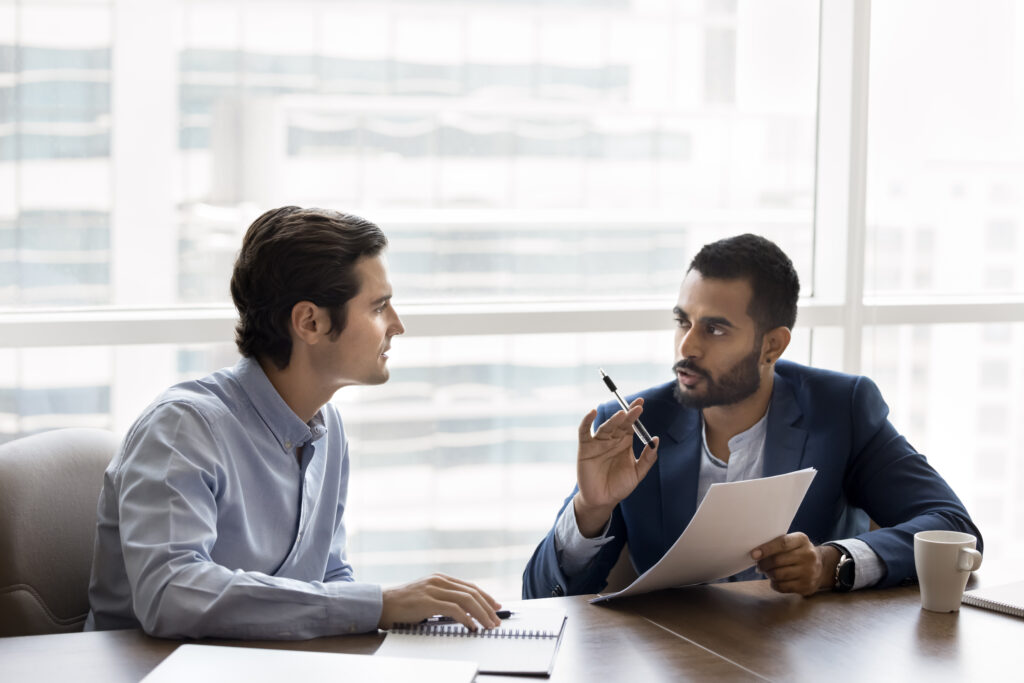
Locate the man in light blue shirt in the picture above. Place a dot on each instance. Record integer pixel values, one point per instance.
(223, 513)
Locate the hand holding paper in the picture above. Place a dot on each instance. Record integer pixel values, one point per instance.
(732, 520)
(795, 565)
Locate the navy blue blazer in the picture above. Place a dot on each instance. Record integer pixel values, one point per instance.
(833, 422)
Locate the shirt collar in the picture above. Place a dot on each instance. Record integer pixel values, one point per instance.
(287, 427)
(741, 440)
(755, 432)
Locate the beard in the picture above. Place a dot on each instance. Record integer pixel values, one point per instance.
(740, 382)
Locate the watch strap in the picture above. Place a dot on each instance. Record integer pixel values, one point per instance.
(845, 573)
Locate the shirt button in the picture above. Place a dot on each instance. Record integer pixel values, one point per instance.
(288, 444)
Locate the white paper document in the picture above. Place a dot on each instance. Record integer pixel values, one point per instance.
(733, 519)
(220, 663)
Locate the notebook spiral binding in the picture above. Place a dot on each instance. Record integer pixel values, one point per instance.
(1005, 607)
(460, 631)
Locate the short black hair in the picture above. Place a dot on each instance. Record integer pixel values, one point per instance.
(760, 262)
(290, 255)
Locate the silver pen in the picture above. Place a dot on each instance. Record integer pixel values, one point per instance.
(441, 619)
(638, 427)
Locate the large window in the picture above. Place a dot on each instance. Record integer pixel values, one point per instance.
(945, 243)
(544, 171)
(945, 173)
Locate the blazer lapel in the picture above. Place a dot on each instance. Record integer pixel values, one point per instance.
(679, 469)
(784, 443)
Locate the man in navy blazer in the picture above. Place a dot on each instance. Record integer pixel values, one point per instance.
(735, 412)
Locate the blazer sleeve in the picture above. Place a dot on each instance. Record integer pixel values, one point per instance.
(896, 486)
(544, 578)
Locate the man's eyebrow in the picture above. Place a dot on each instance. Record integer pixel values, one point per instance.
(381, 300)
(706, 320)
(716, 320)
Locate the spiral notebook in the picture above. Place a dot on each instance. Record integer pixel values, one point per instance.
(525, 643)
(1007, 598)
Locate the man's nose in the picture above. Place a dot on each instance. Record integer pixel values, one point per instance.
(689, 346)
(397, 327)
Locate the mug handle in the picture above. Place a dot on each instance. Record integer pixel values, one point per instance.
(968, 560)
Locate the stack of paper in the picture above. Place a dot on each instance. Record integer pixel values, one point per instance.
(220, 664)
(732, 520)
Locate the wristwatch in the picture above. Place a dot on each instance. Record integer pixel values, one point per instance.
(845, 570)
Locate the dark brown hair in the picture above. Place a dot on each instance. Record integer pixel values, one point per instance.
(290, 255)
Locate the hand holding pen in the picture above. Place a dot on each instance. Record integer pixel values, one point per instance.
(638, 426)
(606, 469)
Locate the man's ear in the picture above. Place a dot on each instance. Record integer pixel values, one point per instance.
(309, 322)
(774, 343)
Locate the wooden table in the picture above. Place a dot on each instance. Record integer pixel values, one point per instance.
(598, 645)
(870, 635)
(741, 631)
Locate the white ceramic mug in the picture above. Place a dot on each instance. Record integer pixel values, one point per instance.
(944, 561)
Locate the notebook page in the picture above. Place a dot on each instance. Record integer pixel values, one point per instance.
(526, 642)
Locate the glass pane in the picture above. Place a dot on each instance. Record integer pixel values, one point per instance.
(42, 389)
(511, 150)
(55, 154)
(963, 411)
(945, 202)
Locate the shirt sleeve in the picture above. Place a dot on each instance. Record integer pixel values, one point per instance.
(167, 508)
(868, 567)
(574, 550)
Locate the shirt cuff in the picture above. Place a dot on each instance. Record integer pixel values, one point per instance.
(355, 608)
(574, 550)
(868, 567)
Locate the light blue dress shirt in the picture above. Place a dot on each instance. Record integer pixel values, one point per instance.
(210, 526)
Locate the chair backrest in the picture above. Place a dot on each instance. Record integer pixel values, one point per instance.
(622, 572)
(49, 488)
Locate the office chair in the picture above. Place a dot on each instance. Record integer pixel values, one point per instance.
(49, 488)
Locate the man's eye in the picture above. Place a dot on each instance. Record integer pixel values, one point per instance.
(715, 330)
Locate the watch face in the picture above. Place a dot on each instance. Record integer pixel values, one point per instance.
(846, 570)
